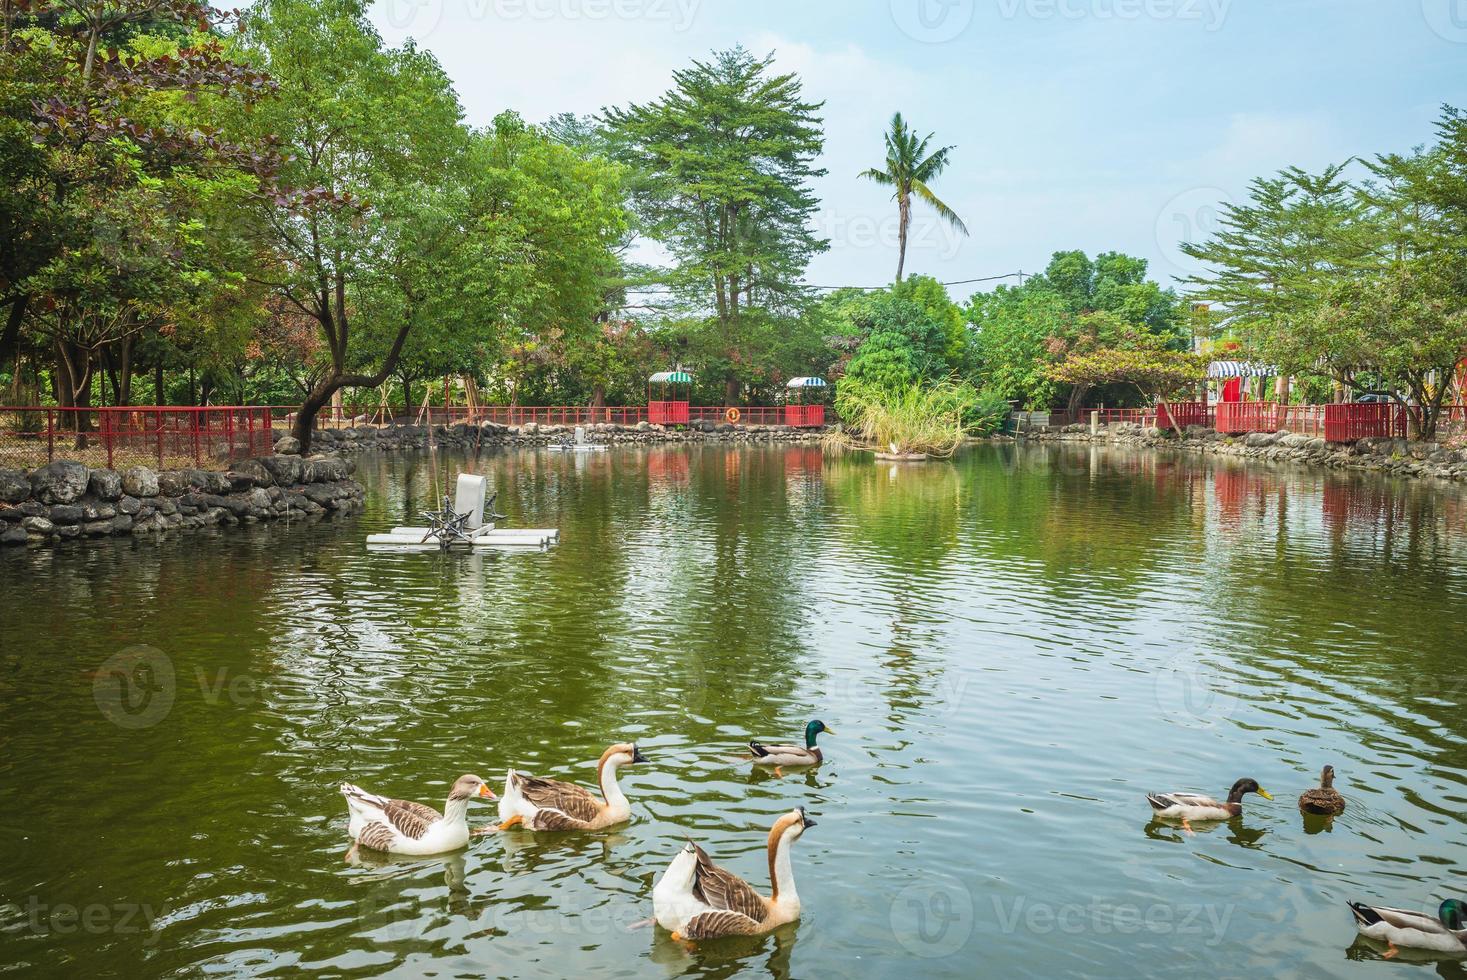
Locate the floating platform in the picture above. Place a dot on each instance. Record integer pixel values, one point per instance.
(497, 538)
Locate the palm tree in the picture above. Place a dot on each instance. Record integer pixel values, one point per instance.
(909, 169)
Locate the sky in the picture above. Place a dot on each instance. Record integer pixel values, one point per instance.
(1091, 124)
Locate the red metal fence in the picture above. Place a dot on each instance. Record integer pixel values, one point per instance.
(1347, 423)
(171, 436)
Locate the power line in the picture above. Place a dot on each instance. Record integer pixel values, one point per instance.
(1020, 275)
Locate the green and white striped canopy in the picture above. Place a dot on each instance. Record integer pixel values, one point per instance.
(806, 383)
(671, 377)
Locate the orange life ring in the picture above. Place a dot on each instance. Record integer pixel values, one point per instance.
(732, 415)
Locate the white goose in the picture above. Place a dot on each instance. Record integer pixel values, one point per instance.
(404, 827)
(549, 804)
(696, 899)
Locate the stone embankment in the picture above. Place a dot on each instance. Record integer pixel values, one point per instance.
(370, 439)
(66, 500)
(1395, 456)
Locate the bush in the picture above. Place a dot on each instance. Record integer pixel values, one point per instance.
(916, 419)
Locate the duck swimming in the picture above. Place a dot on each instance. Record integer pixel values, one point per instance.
(1194, 806)
(779, 756)
(405, 827)
(549, 804)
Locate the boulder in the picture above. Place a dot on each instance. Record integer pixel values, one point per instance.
(14, 486)
(129, 505)
(121, 524)
(105, 485)
(255, 472)
(97, 529)
(67, 514)
(38, 525)
(60, 482)
(288, 446)
(176, 483)
(285, 469)
(139, 481)
(14, 535)
(530, 429)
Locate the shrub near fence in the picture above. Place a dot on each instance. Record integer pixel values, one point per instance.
(167, 438)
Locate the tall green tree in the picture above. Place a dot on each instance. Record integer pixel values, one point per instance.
(909, 170)
(371, 243)
(724, 162)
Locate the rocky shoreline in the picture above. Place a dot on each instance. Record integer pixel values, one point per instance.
(66, 500)
(1392, 456)
(464, 435)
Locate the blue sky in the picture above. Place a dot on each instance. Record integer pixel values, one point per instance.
(1093, 124)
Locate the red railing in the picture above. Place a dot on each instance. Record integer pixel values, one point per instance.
(167, 436)
(1348, 423)
(804, 416)
(1237, 418)
(667, 413)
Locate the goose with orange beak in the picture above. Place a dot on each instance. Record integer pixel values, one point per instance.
(549, 804)
(405, 827)
(696, 899)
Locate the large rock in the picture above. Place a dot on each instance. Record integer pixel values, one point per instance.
(256, 472)
(38, 525)
(105, 485)
(15, 535)
(60, 482)
(139, 481)
(129, 505)
(14, 486)
(286, 470)
(288, 446)
(176, 483)
(67, 514)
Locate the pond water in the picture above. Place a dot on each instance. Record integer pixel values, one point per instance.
(1012, 648)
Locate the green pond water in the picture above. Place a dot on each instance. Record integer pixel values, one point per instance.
(1012, 649)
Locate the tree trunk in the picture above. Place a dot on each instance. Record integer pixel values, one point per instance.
(10, 339)
(731, 388)
(158, 393)
(904, 218)
(407, 393)
(598, 396)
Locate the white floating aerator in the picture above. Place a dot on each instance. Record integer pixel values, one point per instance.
(464, 524)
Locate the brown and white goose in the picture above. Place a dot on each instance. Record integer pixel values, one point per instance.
(696, 899)
(549, 804)
(405, 827)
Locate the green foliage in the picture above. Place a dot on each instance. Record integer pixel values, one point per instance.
(926, 419)
(1021, 333)
(903, 345)
(1366, 278)
(1152, 371)
(724, 162)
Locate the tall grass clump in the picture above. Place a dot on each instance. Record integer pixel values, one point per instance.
(929, 420)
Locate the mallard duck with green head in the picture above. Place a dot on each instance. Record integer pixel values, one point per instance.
(1446, 932)
(1187, 807)
(779, 756)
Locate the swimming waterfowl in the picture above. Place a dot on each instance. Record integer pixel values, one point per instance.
(791, 755)
(1324, 798)
(1446, 933)
(1194, 806)
(405, 827)
(696, 899)
(549, 804)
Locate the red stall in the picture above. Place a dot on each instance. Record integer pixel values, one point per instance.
(801, 409)
(666, 408)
